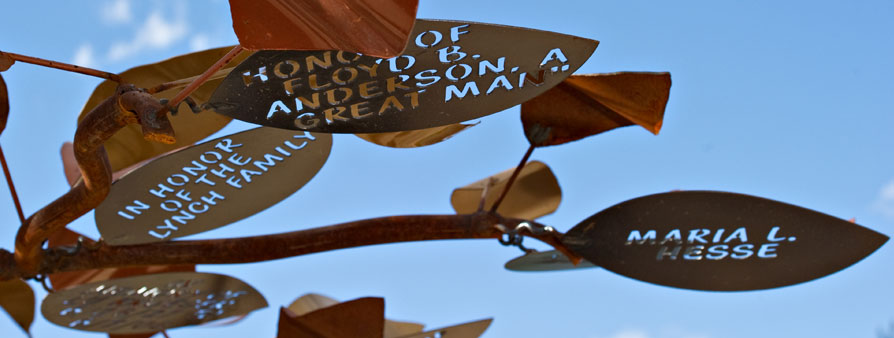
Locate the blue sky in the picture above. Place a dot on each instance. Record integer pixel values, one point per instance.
(785, 100)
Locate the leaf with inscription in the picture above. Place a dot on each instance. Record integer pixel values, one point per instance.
(467, 330)
(127, 146)
(416, 138)
(585, 105)
(313, 302)
(151, 303)
(450, 72)
(719, 241)
(552, 260)
(370, 27)
(17, 299)
(4, 105)
(210, 185)
(534, 194)
(362, 317)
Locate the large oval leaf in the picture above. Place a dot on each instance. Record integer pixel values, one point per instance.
(719, 241)
(590, 104)
(17, 299)
(210, 185)
(151, 303)
(534, 194)
(450, 72)
(127, 146)
(370, 27)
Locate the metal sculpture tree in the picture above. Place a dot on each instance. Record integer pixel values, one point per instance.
(139, 281)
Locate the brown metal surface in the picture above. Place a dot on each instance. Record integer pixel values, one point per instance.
(4, 104)
(552, 260)
(719, 241)
(358, 318)
(312, 302)
(127, 105)
(467, 330)
(128, 146)
(535, 194)
(6, 61)
(17, 299)
(372, 27)
(210, 185)
(416, 138)
(585, 105)
(151, 303)
(63, 280)
(450, 72)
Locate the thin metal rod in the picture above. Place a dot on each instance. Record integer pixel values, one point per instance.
(164, 334)
(513, 177)
(12, 187)
(64, 66)
(204, 77)
(184, 82)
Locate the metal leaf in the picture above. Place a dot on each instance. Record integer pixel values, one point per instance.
(73, 172)
(416, 138)
(312, 302)
(151, 303)
(17, 299)
(534, 194)
(585, 105)
(362, 317)
(5, 62)
(552, 260)
(375, 28)
(467, 330)
(719, 241)
(4, 105)
(450, 72)
(64, 280)
(128, 146)
(210, 185)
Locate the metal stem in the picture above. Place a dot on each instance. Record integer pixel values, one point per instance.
(202, 78)
(512, 178)
(64, 66)
(12, 187)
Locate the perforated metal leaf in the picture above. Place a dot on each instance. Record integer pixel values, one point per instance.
(719, 241)
(127, 146)
(534, 194)
(151, 303)
(372, 27)
(450, 72)
(210, 185)
(585, 105)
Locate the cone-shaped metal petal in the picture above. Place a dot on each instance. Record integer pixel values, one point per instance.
(362, 317)
(450, 72)
(535, 193)
(585, 105)
(719, 241)
(210, 185)
(416, 138)
(370, 27)
(151, 303)
(312, 302)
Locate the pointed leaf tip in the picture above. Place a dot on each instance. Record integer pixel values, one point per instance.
(17, 299)
(719, 241)
(585, 105)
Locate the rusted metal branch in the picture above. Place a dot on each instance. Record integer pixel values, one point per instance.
(12, 187)
(383, 230)
(63, 66)
(220, 74)
(128, 105)
(202, 78)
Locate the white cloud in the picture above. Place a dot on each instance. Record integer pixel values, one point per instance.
(630, 334)
(83, 56)
(199, 42)
(884, 202)
(117, 11)
(155, 33)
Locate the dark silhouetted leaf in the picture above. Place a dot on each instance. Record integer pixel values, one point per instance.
(5, 61)
(719, 241)
(4, 105)
(361, 318)
(585, 105)
(371, 27)
(128, 147)
(17, 299)
(467, 330)
(552, 260)
(534, 194)
(416, 138)
(450, 72)
(151, 303)
(210, 185)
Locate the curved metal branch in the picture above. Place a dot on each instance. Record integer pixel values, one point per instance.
(128, 105)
